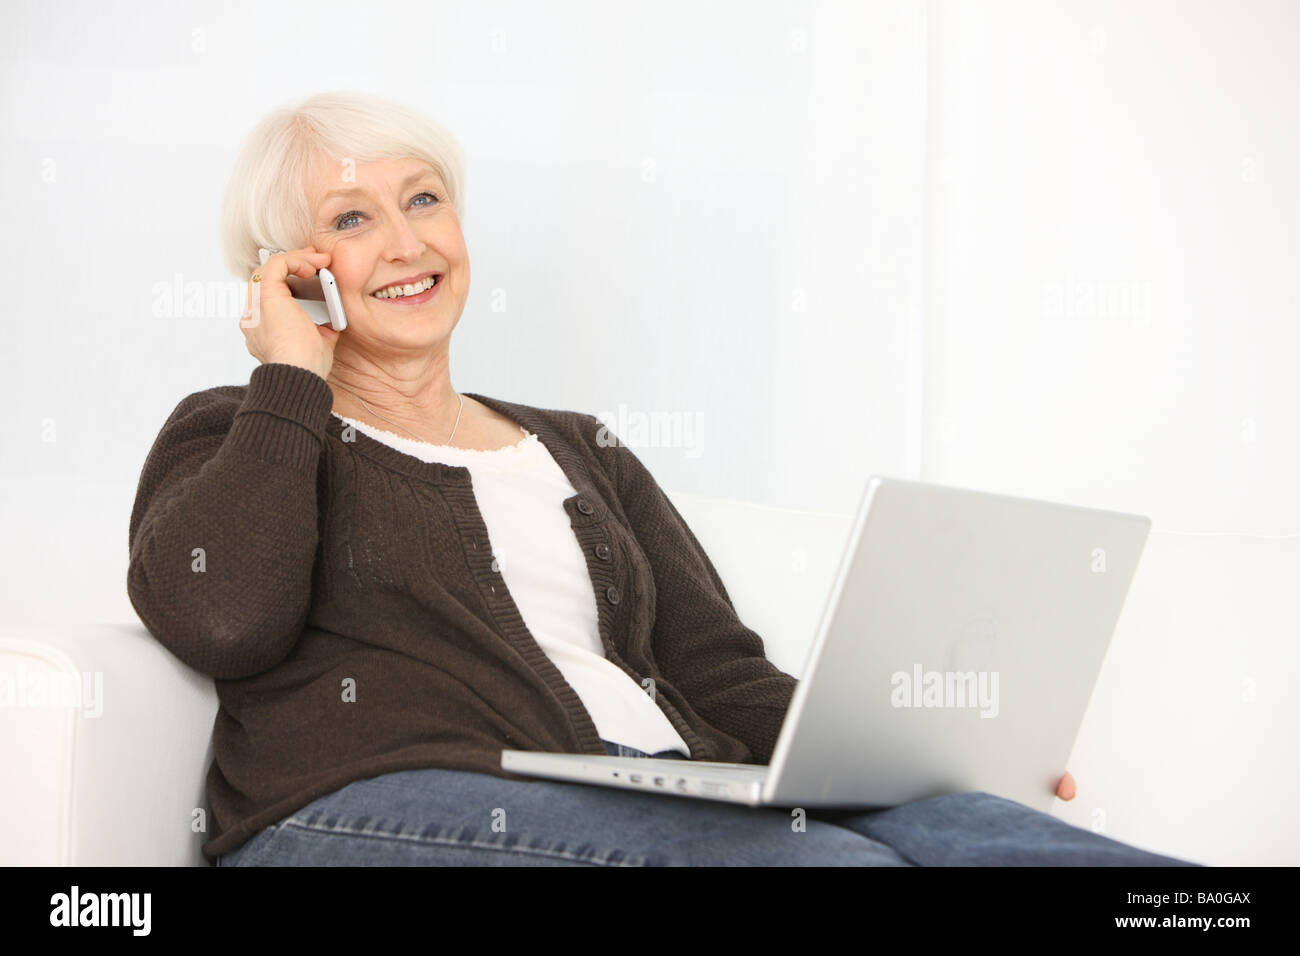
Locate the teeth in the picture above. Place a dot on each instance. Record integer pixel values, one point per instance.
(411, 288)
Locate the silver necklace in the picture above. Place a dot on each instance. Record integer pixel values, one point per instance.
(404, 428)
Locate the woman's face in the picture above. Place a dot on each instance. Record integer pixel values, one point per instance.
(391, 221)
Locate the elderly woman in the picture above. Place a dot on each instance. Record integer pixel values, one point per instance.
(392, 581)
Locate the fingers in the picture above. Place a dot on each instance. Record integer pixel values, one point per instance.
(303, 263)
(1066, 789)
(253, 310)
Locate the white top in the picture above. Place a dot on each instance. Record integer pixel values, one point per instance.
(520, 492)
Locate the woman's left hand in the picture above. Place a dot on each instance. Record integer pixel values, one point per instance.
(1065, 789)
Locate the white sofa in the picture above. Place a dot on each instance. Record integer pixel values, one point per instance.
(123, 787)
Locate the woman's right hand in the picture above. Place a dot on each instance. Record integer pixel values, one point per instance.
(280, 330)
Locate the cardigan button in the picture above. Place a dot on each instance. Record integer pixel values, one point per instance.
(496, 565)
(602, 551)
(585, 506)
(611, 592)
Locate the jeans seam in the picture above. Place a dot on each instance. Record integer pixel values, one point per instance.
(270, 833)
(454, 842)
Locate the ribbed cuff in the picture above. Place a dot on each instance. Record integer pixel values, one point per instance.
(283, 416)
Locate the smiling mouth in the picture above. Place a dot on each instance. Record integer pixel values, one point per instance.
(409, 289)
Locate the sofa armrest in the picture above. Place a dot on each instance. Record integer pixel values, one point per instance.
(103, 737)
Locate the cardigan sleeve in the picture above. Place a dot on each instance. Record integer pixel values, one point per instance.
(700, 644)
(223, 534)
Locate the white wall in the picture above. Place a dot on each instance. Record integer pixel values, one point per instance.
(1112, 295)
(684, 216)
(1111, 306)
(683, 213)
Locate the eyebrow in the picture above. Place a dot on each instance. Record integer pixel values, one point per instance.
(354, 190)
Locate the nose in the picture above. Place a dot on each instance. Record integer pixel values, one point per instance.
(401, 242)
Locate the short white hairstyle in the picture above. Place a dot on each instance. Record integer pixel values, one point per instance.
(266, 202)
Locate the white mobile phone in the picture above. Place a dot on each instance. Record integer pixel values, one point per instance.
(318, 296)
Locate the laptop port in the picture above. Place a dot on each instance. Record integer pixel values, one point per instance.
(634, 777)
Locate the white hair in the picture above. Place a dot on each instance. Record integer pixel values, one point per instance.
(266, 201)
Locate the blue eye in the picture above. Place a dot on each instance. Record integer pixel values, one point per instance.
(338, 223)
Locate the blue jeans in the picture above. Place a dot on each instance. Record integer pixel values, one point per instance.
(436, 817)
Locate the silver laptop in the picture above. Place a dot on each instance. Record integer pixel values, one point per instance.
(958, 650)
